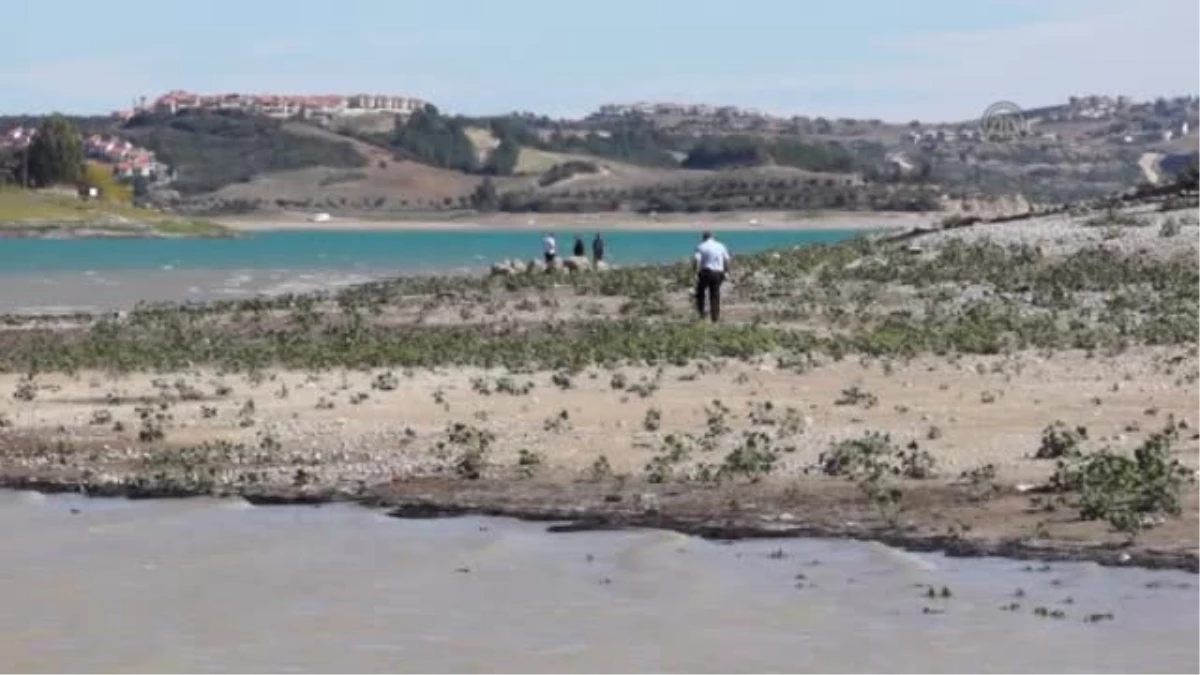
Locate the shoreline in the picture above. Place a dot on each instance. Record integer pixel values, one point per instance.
(141, 231)
(967, 421)
(603, 222)
(297, 436)
(611, 513)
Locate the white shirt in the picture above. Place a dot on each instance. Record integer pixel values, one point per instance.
(712, 255)
(548, 245)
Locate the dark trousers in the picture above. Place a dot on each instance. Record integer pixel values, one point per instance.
(708, 283)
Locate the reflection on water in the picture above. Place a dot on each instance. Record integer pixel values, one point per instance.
(111, 585)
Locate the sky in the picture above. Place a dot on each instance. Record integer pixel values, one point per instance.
(933, 60)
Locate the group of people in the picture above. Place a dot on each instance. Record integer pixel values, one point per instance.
(710, 264)
(550, 248)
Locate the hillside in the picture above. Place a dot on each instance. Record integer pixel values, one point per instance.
(387, 185)
(400, 173)
(211, 150)
(654, 157)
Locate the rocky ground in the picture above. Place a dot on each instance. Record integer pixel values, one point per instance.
(951, 392)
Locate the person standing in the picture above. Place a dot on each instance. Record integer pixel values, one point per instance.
(597, 249)
(711, 263)
(579, 250)
(549, 248)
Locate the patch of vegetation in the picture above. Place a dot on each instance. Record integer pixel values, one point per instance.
(430, 137)
(466, 448)
(1059, 441)
(565, 170)
(667, 464)
(875, 454)
(653, 419)
(873, 461)
(856, 396)
(1129, 493)
(528, 463)
(726, 152)
(558, 423)
(754, 458)
(385, 382)
(721, 193)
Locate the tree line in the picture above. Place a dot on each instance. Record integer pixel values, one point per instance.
(54, 157)
(432, 138)
(714, 196)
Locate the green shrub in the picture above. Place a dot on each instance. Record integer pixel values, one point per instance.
(1058, 441)
(1130, 493)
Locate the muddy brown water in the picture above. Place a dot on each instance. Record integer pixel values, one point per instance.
(220, 586)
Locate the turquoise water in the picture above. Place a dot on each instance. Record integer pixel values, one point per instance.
(401, 252)
(67, 275)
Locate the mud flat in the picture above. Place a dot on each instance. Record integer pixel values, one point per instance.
(1026, 398)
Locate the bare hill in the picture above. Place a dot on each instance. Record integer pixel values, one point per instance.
(384, 185)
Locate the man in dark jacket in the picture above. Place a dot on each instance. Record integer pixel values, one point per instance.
(597, 249)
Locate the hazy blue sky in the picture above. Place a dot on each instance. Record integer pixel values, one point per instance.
(893, 59)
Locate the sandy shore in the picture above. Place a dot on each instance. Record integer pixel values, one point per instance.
(976, 416)
(593, 222)
(940, 377)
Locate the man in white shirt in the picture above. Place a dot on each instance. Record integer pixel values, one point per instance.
(711, 263)
(549, 248)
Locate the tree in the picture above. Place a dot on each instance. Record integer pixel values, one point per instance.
(11, 164)
(503, 160)
(429, 137)
(56, 153)
(484, 198)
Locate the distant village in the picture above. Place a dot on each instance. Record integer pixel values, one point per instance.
(128, 160)
(1160, 120)
(1140, 122)
(316, 108)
